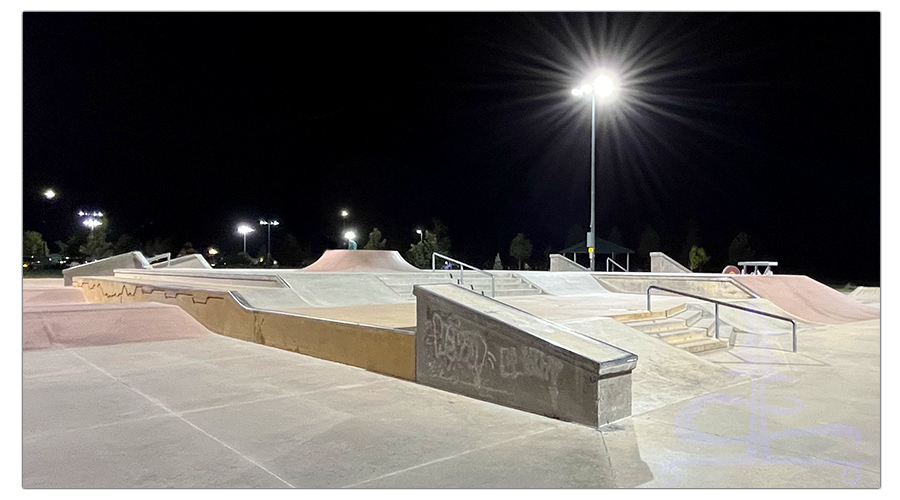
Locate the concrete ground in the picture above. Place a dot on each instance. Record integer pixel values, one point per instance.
(202, 410)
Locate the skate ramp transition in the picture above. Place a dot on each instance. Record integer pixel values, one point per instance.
(473, 345)
(807, 299)
(360, 261)
(106, 267)
(869, 295)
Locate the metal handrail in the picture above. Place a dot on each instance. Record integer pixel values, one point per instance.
(167, 256)
(608, 260)
(462, 265)
(726, 304)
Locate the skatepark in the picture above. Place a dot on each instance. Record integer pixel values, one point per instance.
(361, 370)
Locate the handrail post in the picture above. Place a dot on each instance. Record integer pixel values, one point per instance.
(794, 334)
(432, 262)
(648, 297)
(462, 272)
(717, 321)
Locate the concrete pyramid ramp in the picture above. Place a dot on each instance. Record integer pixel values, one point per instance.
(368, 261)
(809, 300)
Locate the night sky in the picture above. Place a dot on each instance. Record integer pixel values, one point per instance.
(181, 126)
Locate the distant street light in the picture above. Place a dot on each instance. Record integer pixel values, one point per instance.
(419, 232)
(244, 229)
(49, 194)
(604, 90)
(269, 224)
(212, 251)
(351, 237)
(344, 213)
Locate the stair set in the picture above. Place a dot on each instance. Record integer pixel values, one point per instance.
(688, 328)
(506, 284)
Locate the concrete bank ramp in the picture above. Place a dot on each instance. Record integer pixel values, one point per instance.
(105, 267)
(191, 261)
(360, 261)
(563, 283)
(869, 295)
(340, 289)
(78, 325)
(807, 299)
(476, 346)
(662, 263)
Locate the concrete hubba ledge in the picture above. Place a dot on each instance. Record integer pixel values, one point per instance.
(190, 261)
(105, 267)
(383, 350)
(716, 287)
(560, 263)
(476, 346)
(662, 263)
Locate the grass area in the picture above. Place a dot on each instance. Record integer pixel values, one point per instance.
(41, 273)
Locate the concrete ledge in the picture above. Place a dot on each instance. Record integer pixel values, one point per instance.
(559, 263)
(712, 286)
(476, 346)
(662, 263)
(190, 261)
(106, 267)
(378, 349)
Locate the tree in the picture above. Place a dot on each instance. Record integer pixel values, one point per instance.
(125, 244)
(96, 246)
(739, 250)
(441, 237)
(71, 248)
(186, 249)
(375, 241)
(290, 253)
(156, 247)
(691, 240)
(33, 244)
(697, 258)
(520, 248)
(649, 243)
(575, 235)
(615, 236)
(498, 264)
(419, 253)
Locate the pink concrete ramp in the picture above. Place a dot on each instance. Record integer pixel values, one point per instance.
(78, 325)
(809, 300)
(368, 261)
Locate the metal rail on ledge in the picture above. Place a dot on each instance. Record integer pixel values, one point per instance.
(462, 266)
(610, 261)
(155, 258)
(726, 304)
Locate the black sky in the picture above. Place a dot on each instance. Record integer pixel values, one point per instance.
(183, 125)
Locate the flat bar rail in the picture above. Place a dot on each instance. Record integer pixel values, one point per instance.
(726, 304)
(462, 266)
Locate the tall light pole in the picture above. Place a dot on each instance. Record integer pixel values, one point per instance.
(344, 215)
(244, 229)
(419, 232)
(604, 89)
(269, 224)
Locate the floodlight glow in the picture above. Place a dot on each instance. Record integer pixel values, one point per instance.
(49, 194)
(245, 229)
(80, 213)
(586, 89)
(263, 223)
(350, 235)
(274, 223)
(92, 223)
(344, 213)
(577, 92)
(212, 251)
(418, 231)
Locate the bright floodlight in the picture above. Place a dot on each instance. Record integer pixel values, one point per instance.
(212, 251)
(263, 223)
(418, 231)
(92, 223)
(49, 194)
(245, 229)
(344, 213)
(350, 235)
(577, 92)
(586, 89)
(274, 223)
(606, 86)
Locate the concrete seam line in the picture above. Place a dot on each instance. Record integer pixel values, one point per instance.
(164, 407)
(450, 457)
(612, 469)
(43, 434)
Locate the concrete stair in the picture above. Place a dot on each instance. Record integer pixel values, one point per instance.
(505, 284)
(681, 326)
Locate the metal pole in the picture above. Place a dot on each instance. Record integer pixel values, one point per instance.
(269, 245)
(627, 262)
(245, 242)
(794, 335)
(717, 321)
(593, 168)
